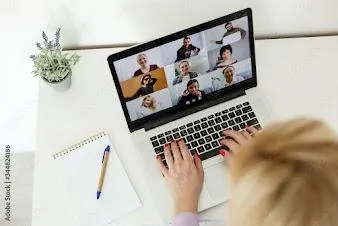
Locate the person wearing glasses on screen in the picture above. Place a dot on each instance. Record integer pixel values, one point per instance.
(225, 57)
(230, 29)
(148, 106)
(142, 60)
(187, 50)
(192, 94)
(185, 74)
(147, 87)
(230, 76)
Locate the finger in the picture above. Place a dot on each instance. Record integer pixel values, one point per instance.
(162, 167)
(198, 163)
(231, 144)
(246, 135)
(176, 152)
(184, 150)
(224, 153)
(236, 136)
(168, 156)
(252, 130)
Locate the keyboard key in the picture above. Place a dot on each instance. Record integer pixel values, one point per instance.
(242, 125)
(218, 114)
(200, 149)
(217, 127)
(189, 138)
(210, 130)
(224, 125)
(225, 111)
(207, 147)
(155, 143)
(225, 117)
(193, 152)
(204, 133)
(176, 136)
(211, 123)
(215, 136)
(252, 115)
(239, 106)
(252, 122)
(190, 130)
(231, 122)
(197, 128)
(188, 146)
(247, 109)
(208, 139)
(236, 128)
(159, 149)
(210, 116)
(167, 133)
(162, 140)
(194, 144)
(153, 138)
(204, 119)
(189, 124)
(218, 120)
(245, 103)
(160, 135)
(238, 120)
(182, 127)
(245, 117)
(175, 130)
(183, 133)
(196, 122)
(204, 125)
(210, 154)
(258, 127)
(238, 112)
(197, 135)
(169, 138)
(232, 115)
(221, 134)
(201, 141)
(162, 156)
(215, 144)
(232, 109)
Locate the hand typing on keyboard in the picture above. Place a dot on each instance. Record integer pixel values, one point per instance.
(184, 175)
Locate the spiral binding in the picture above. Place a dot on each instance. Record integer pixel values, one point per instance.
(79, 145)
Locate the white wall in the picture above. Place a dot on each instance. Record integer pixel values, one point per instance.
(105, 22)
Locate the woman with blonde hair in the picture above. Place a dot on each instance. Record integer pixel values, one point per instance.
(286, 175)
(148, 106)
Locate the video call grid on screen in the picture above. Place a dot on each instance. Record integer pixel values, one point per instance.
(185, 71)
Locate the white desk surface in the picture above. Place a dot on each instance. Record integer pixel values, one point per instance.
(295, 76)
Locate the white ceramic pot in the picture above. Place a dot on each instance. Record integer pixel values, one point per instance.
(62, 85)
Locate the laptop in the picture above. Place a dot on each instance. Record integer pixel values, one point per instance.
(189, 85)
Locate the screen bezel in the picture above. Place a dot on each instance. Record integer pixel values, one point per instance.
(162, 117)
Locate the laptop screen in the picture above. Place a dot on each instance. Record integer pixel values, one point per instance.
(184, 72)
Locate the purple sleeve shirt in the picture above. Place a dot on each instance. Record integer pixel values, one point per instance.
(186, 219)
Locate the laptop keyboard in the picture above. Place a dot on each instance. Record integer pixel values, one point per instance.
(203, 135)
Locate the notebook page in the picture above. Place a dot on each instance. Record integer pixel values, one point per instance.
(80, 170)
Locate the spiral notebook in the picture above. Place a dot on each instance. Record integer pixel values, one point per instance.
(80, 167)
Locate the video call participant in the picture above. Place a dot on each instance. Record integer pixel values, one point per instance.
(142, 60)
(225, 57)
(231, 30)
(187, 50)
(185, 74)
(148, 106)
(192, 94)
(147, 87)
(230, 76)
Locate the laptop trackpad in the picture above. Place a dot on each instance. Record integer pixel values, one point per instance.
(216, 180)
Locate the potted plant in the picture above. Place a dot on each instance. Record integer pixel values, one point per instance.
(52, 65)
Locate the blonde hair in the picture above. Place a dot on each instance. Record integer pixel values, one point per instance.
(286, 176)
(153, 102)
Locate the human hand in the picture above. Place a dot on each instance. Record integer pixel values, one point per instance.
(235, 140)
(197, 93)
(185, 93)
(184, 176)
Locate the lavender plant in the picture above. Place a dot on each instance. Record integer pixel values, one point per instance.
(51, 64)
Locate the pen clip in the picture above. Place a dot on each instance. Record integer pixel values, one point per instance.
(107, 149)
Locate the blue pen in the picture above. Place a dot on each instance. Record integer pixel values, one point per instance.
(103, 171)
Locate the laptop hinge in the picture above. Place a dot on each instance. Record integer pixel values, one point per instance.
(180, 114)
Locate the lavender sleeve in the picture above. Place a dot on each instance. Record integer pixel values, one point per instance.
(186, 219)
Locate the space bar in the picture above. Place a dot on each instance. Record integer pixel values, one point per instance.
(211, 153)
